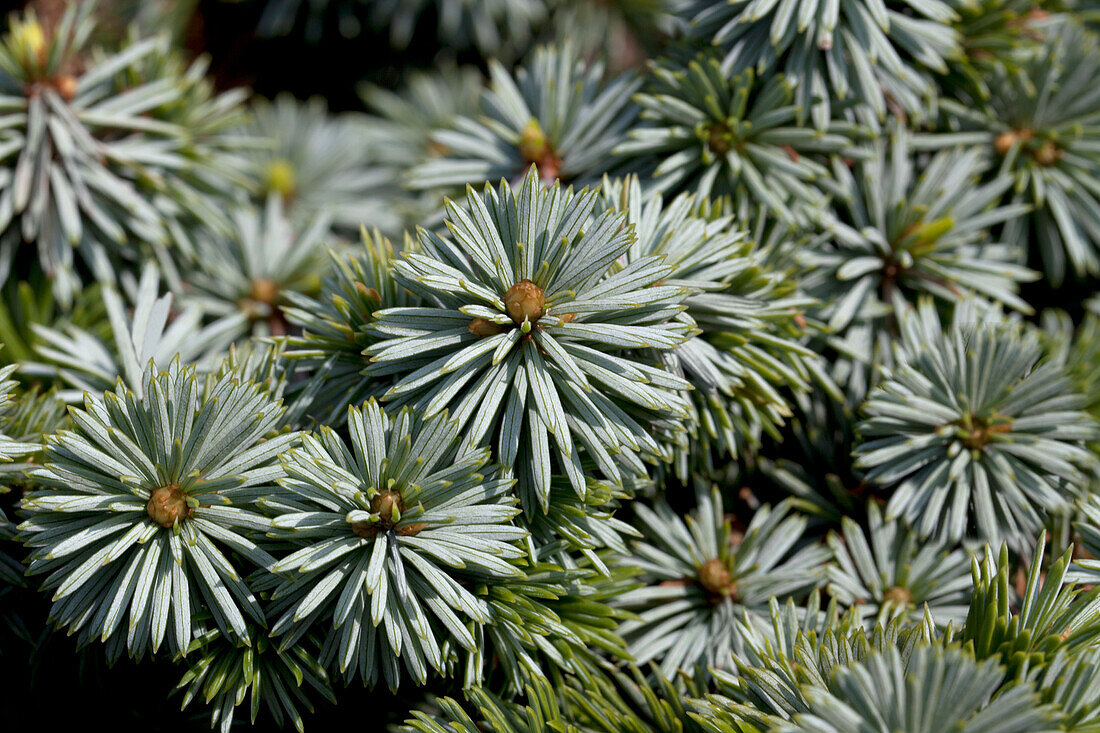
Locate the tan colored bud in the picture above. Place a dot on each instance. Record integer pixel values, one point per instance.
(387, 505)
(368, 292)
(366, 530)
(1048, 154)
(66, 87)
(483, 328)
(719, 138)
(976, 432)
(898, 596)
(1004, 142)
(525, 300)
(714, 576)
(167, 504)
(264, 290)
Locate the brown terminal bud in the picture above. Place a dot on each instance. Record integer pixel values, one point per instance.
(264, 290)
(719, 138)
(66, 87)
(525, 301)
(370, 293)
(410, 530)
(168, 504)
(1004, 142)
(1047, 154)
(714, 576)
(483, 328)
(977, 432)
(366, 530)
(383, 504)
(898, 596)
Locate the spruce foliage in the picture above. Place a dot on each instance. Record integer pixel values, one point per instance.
(551, 366)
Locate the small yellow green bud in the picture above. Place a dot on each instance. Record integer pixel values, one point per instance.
(281, 177)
